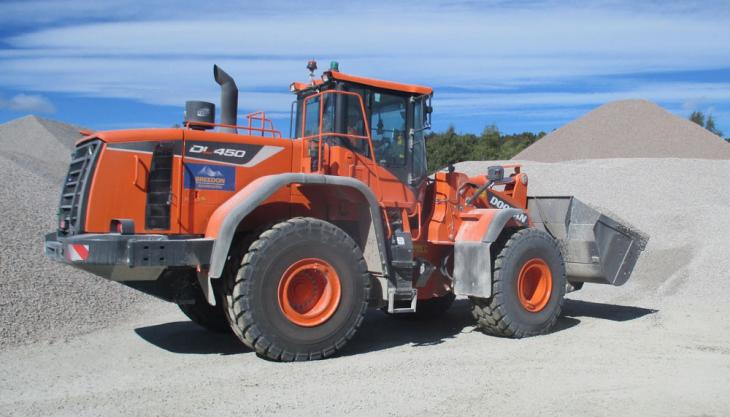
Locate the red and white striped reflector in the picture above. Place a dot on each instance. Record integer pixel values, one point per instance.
(77, 252)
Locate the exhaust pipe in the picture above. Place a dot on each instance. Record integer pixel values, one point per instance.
(229, 98)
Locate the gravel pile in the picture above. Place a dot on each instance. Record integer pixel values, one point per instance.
(679, 203)
(39, 299)
(676, 200)
(627, 129)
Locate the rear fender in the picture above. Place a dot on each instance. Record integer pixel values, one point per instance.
(472, 259)
(225, 220)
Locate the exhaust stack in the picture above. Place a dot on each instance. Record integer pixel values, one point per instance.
(229, 98)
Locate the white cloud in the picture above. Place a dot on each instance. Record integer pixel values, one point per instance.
(675, 93)
(28, 103)
(163, 54)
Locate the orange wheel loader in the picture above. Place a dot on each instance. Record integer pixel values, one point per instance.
(287, 241)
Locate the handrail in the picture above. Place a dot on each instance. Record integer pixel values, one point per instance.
(260, 116)
(344, 135)
(417, 213)
(389, 229)
(251, 129)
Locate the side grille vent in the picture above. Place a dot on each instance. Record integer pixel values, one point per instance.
(159, 191)
(74, 192)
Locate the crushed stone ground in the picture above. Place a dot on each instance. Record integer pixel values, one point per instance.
(658, 345)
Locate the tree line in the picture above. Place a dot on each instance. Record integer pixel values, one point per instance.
(708, 122)
(449, 147)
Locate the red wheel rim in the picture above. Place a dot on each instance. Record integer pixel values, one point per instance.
(309, 292)
(534, 285)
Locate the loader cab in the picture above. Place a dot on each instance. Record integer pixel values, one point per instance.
(378, 120)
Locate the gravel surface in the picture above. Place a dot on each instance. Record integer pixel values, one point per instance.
(659, 345)
(39, 299)
(627, 129)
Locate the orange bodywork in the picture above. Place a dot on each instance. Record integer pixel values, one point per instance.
(370, 82)
(120, 181)
(435, 212)
(385, 85)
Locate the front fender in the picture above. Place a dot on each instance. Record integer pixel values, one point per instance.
(224, 222)
(472, 259)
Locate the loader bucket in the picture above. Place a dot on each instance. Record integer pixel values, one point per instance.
(596, 248)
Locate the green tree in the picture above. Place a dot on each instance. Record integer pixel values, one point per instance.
(706, 122)
(450, 147)
(710, 125)
(698, 117)
(487, 146)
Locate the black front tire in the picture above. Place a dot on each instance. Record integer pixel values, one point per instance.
(504, 314)
(253, 304)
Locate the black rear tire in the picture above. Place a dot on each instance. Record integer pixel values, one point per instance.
(253, 301)
(504, 314)
(210, 317)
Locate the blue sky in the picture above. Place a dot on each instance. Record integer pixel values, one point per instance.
(524, 66)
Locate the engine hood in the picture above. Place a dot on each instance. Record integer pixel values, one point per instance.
(135, 135)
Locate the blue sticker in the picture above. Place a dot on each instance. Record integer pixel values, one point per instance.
(210, 177)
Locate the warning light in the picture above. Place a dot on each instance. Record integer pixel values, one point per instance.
(311, 66)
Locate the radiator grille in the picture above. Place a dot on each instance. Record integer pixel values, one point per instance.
(157, 213)
(74, 192)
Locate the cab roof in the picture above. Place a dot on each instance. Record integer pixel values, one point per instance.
(370, 82)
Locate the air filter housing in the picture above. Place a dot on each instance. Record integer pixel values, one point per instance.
(197, 112)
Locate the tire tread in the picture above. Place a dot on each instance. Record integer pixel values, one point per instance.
(243, 322)
(490, 313)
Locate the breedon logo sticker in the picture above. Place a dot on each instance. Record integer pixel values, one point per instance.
(497, 202)
(210, 177)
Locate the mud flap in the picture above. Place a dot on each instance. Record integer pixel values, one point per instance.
(472, 258)
(206, 286)
(472, 269)
(596, 248)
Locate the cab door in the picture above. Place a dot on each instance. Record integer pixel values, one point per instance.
(352, 123)
(388, 114)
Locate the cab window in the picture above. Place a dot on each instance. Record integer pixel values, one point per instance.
(355, 125)
(419, 143)
(388, 126)
(311, 116)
